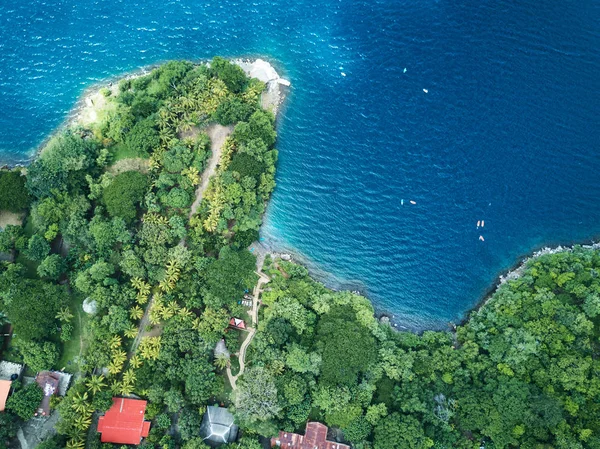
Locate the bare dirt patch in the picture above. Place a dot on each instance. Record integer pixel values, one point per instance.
(10, 218)
(129, 164)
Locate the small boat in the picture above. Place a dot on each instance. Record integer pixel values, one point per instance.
(482, 223)
(404, 70)
(401, 202)
(478, 223)
(413, 202)
(343, 74)
(481, 238)
(425, 90)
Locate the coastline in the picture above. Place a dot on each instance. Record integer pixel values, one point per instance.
(516, 271)
(513, 272)
(277, 90)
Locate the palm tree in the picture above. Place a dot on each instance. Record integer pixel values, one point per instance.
(114, 368)
(126, 389)
(115, 387)
(75, 444)
(173, 307)
(221, 361)
(129, 376)
(82, 422)
(144, 288)
(115, 342)
(137, 282)
(192, 174)
(64, 315)
(197, 324)
(135, 362)
(136, 313)
(155, 314)
(185, 313)
(131, 332)
(80, 403)
(119, 357)
(150, 347)
(141, 299)
(95, 384)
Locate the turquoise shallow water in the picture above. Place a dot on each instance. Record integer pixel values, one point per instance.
(507, 132)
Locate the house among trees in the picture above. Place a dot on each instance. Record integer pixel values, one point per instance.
(124, 422)
(236, 323)
(315, 437)
(48, 382)
(9, 372)
(218, 427)
(5, 386)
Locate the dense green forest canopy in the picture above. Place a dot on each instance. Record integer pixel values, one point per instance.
(110, 223)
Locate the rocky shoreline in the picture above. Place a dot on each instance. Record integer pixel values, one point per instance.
(517, 271)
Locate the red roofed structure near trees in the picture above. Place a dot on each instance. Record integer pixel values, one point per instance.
(5, 386)
(237, 323)
(315, 437)
(124, 422)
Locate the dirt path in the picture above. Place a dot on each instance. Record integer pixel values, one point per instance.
(142, 328)
(80, 335)
(263, 279)
(217, 134)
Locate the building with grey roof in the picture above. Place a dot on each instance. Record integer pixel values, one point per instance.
(218, 426)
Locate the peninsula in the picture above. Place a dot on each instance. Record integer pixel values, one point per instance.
(131, 262)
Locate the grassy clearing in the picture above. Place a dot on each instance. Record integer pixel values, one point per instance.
(73, 348)
(122, 151)
(224, 397)
(235, 365)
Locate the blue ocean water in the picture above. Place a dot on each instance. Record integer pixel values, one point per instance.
(507, 132)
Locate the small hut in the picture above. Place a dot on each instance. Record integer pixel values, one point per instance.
(237, 323)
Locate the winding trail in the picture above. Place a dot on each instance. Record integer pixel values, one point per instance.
(263, 279)
(217, 134)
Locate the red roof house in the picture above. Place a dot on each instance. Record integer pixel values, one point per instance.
(237, 323)
(4, 391)
(315, 437)
(124, 422)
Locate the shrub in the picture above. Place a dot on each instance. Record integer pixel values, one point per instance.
(233, 76)
(38, 248)
(163, 421)
(124, 194)
(247, 165)
(51, 267)
(13, 194)
(38, 356)
(233, 110)
(142, 138)
(24, 402)
(177, 198)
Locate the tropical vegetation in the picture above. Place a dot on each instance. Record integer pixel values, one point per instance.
(111, 222)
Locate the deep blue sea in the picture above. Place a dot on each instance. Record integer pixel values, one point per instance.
(508, 131)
